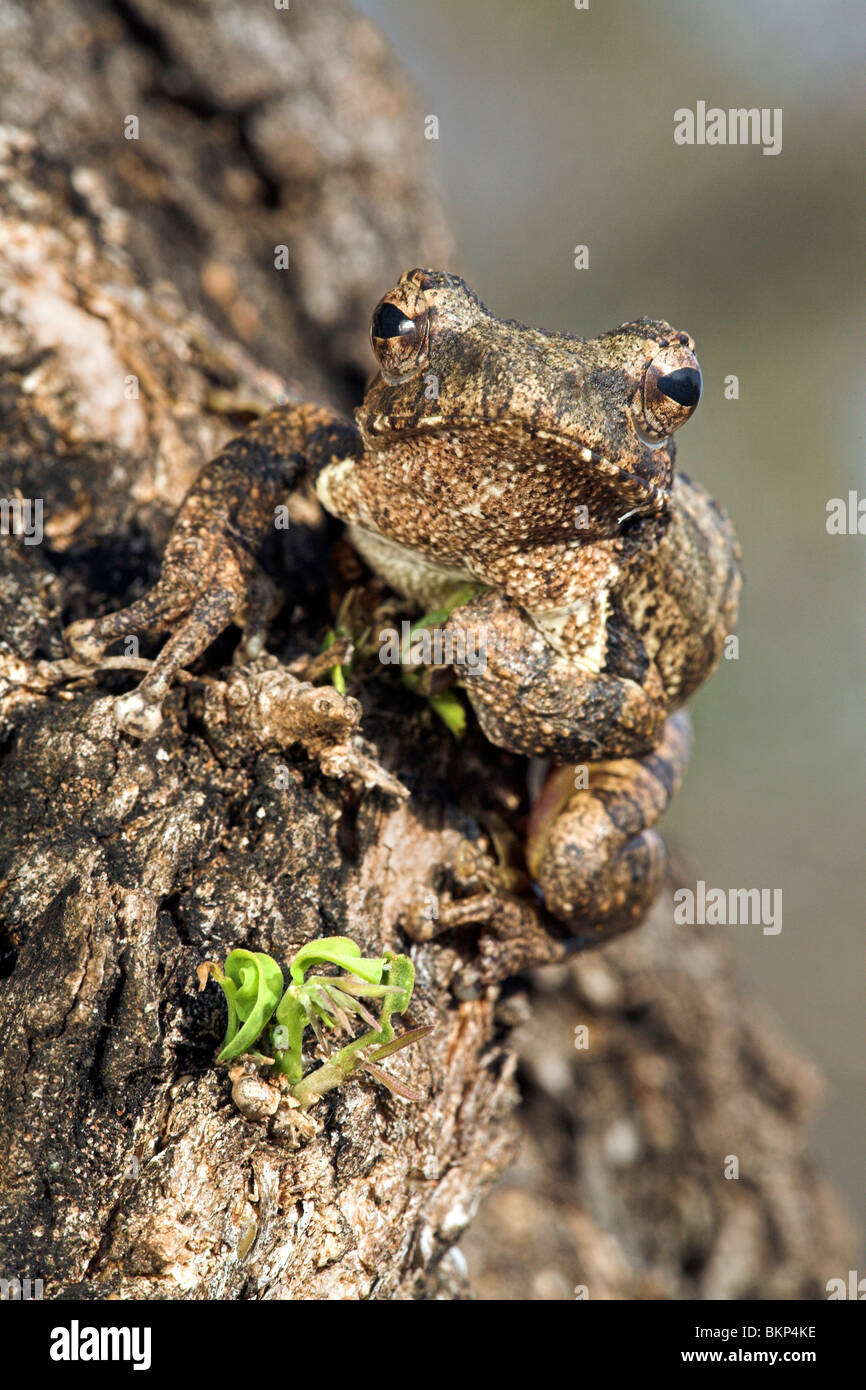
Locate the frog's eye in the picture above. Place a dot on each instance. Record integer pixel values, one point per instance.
(670, 392)
(399, 333)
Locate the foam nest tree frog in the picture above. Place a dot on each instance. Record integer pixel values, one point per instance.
(537, 468)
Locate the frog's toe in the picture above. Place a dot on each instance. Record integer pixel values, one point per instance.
(82, 642)
(250, 648)
(137, 715)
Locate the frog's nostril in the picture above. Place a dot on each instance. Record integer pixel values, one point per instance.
(682, 386)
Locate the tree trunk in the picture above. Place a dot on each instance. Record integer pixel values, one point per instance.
(141, 316)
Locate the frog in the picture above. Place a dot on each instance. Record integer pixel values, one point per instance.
(532, 475)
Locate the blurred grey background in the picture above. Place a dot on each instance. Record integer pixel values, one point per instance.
(556, 129)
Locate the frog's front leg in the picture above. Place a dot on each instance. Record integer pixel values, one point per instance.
(592, 850)
(531, 699)
(210, 575)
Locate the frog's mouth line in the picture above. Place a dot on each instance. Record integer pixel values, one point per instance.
(649, 496)
(655, 494)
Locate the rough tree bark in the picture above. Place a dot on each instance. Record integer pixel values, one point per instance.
(125, 1168)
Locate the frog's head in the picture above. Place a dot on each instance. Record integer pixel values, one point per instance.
(601, 410)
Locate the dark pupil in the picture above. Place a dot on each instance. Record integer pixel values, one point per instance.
(682, 386)
(391, 322)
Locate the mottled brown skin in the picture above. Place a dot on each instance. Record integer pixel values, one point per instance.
(210, 574)
(539, 468)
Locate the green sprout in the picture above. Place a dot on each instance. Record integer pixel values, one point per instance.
(361, 650)
(447, 705)
(268, 1024)
(338, 674)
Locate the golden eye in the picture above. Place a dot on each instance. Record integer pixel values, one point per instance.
(399, 332)
(670, 393)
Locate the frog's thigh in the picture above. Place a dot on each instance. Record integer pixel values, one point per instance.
(593, 852)
(532, 700)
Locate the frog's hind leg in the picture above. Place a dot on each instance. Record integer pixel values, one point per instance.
(263, 603)
(139, 712)
(210, 576)
(198, 611)
(593, 851)
(88, 639)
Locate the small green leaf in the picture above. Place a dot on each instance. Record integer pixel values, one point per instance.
(336, 950)
(350, 1004)
(451, 711)
(337, 674)
(231, 994)
(441, 615)
(400, 976)
(258, 983)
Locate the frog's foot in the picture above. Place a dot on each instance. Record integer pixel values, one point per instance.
(198, 614)
(592, 851)
(513, 937)
(209, 575)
